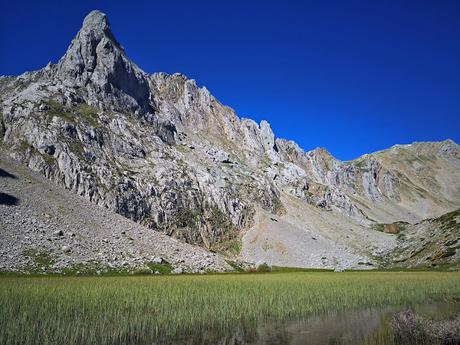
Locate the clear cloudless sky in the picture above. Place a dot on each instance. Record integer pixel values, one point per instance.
(351, 76)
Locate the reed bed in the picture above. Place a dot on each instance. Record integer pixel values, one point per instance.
(143, 309)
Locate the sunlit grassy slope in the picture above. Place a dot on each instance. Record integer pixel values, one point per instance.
(137, 310)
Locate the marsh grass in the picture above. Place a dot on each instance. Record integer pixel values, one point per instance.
(139, 309)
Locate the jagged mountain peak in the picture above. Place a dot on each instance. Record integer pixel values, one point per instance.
(97, 24)
(321, 152)
(96, 62)
(95, 19)
(82, 54)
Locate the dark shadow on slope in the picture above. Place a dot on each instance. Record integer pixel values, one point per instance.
(7, 199)
(4, 173)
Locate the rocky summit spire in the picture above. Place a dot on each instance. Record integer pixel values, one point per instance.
(98, 63)
(97, 21)
(97, 24)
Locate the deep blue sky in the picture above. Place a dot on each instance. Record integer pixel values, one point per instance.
(351, 76)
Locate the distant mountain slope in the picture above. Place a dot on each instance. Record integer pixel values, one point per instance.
(432, 243)
(165, 153)
(429, 175)
(406, 182)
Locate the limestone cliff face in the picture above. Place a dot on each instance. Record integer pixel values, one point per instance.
(164, 152)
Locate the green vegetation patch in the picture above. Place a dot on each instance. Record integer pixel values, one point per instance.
(82, 113)
(290, 151)
(379, 227)
(449, 220)
(218, 219)
(87, 114)
(230, 247)
(95, 268)
(39, 260)
(265, 162)
(76, 147)
(361, 165)
(183, 148)
(50, 160)
(163, 268)
(187, 218)
(235, 265)
(26, 148)
(282, 269)
(56, 109)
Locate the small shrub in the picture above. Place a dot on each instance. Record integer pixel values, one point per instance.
(235, 265)
(379, 227)
(163, 268)
(264, 268)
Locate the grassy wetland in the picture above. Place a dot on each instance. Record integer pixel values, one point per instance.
(144, 309)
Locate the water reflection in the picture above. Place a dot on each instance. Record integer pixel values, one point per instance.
(350, 327)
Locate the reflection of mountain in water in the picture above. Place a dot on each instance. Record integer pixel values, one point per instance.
(352, 327)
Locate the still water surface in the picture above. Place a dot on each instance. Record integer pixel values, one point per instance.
(355, 327)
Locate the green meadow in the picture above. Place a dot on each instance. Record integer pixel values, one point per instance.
(142, 309)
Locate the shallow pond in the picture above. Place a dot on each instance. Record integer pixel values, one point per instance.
(366, 326)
